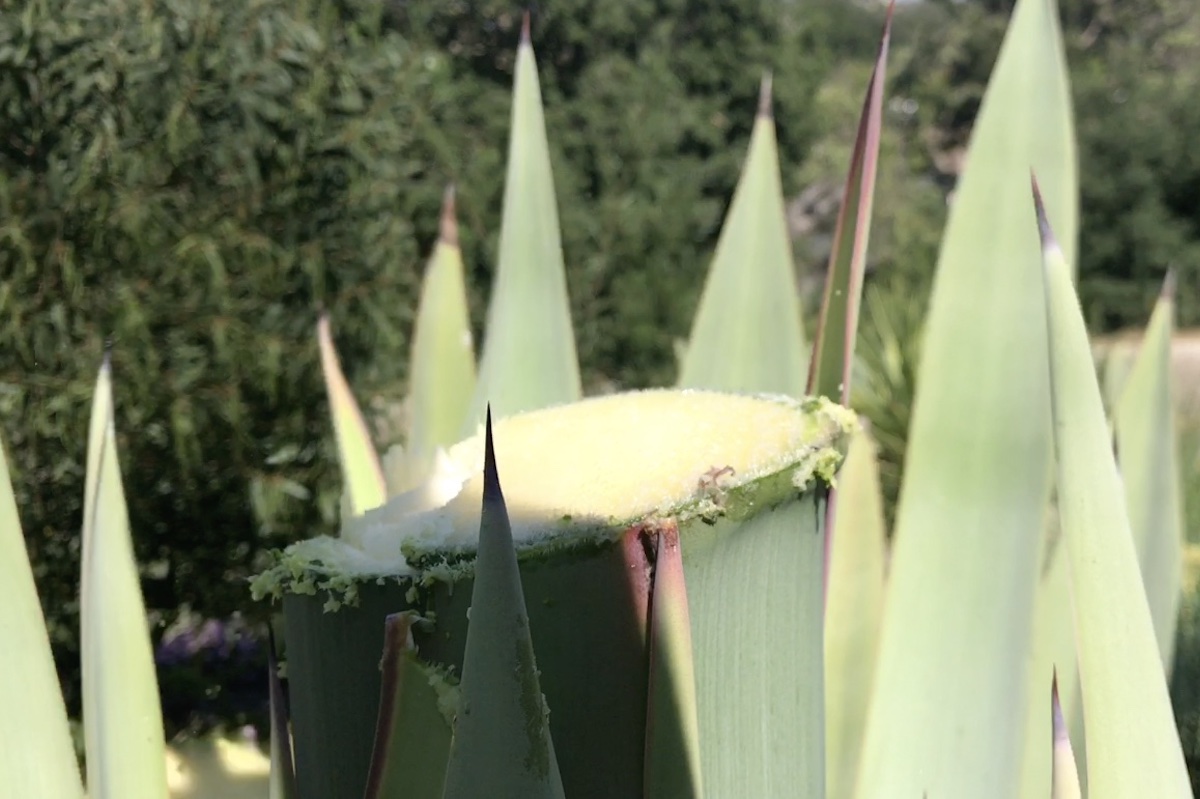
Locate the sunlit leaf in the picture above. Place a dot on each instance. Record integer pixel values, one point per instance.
(1148, 454)
(853, 612)
(362, 474)
(37, 757)
(529, 356)
(1133, 746)
(122, 717)
(949, 705)
(443, 356)
(747, 335)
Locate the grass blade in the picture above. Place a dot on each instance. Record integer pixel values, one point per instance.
(123, 732)
(412, 738)
(443, 356)
(956, 635)
(853, 612)
(833, 353)
(501, 743)
(747, 334)
(1133, 746)
(672, 728)
(529, 358)
(361, 471)
(37, 757)
(1064, 775)
(1147, 449)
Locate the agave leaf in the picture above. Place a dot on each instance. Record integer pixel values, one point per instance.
(529, 356)
(747, 334)
(282, 782)
(1052, 658)
(122, 717)
(853, 612)
(955, 640)
(672, 727)
(1133, 745)
(501, 743)
(36, 754)
(1147, 449)
(363, 476)
(1065, 777)
(412, 738)
(755, 597)
(443, 356)
(588, 487)
(833, 353)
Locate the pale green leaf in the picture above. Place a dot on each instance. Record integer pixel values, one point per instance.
(747, 334)
(529, 358)
(501, 745)
(37, 758)
(755, 603)
(949, 705)
(443, 356)
(1148, 454)
(1133, 746)
(853, 612)
(362, 474)
(123, 734)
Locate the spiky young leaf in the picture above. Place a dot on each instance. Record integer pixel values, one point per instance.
(1133, 746)
(1064, 782)
(412, 739)
(673, 766)
(36, 754)
(1147, 451)
(529, 358)
(853, 612)
(443, 356)
(747, 334)
(953, 649)
(122, 717)
(501, 744)
(833, 352)
(362, 474)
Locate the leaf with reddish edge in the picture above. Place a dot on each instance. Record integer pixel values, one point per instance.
(1065, 779)
(412, 738)
(833, 352)
(501, 743)
(672, 725)
(361, 471)
(283, 771)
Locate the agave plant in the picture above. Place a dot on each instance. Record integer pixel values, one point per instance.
(977, 622)
(690, 591)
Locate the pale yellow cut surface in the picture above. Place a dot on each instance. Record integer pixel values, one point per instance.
(596, 465)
